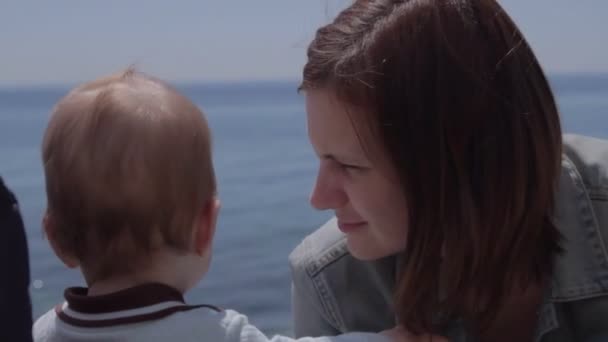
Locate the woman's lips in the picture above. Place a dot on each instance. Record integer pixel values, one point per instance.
(347, 227)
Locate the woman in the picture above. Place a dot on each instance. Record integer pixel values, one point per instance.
(459, 209)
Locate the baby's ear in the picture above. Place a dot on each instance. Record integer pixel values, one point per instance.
(49, 226)
(205, 228)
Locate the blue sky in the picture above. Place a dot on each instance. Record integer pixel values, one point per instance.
(63, 41)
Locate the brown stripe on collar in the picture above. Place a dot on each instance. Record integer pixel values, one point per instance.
(101, 323)
(138, 297)
(131, 298)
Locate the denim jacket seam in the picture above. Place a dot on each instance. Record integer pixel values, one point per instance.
(327, 301)
(600, 291)
(589, 225)
(547, 321)
(589, 220)
(314, 269)
(598, 194)
(328, 257)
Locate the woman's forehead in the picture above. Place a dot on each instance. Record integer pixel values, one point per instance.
(335, 127)
(329, 118)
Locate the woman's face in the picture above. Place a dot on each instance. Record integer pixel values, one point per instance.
(363, 192)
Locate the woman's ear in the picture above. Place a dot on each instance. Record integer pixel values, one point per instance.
(49, 226)
(205, 227)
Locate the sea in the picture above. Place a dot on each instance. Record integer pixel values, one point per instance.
(265, 169)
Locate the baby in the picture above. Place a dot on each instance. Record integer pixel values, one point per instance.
(132, 203)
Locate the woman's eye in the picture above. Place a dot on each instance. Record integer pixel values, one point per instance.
(345, 167)
(350, 167)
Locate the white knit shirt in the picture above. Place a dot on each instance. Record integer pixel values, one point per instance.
(154, 312)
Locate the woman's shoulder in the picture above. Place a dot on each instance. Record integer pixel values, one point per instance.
(321, 248)
(325, 252)
(581, 216)
(589, 156)
(582, 197)
(323, 274)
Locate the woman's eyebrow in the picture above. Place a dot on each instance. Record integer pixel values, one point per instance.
(344, 158)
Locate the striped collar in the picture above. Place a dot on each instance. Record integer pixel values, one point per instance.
(133, 305)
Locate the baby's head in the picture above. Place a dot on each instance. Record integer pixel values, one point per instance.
(129, 178)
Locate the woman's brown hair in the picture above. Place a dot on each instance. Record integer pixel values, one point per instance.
(467, 117)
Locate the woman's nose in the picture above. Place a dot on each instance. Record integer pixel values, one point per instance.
(327, 192)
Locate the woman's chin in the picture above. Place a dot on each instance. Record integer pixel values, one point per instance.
(364, 248)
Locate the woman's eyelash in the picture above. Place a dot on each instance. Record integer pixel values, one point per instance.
(346, 166)
(350, 166)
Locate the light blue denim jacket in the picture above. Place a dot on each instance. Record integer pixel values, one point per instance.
(334, 292)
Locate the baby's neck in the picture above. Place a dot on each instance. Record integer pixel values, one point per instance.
(116, 284)
(178, 272)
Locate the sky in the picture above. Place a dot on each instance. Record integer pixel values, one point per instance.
(67, 41)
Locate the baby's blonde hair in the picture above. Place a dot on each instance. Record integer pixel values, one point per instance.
(128, 168)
